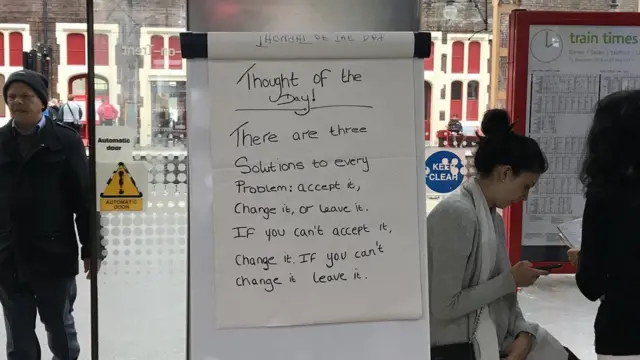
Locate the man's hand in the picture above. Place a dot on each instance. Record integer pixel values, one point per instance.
(87, 266)
(520, 348)
(574, 256)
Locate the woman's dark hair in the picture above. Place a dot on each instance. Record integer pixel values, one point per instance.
(500, 145)
(612, 162)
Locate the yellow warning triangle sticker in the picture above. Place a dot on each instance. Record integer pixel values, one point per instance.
(121, 192)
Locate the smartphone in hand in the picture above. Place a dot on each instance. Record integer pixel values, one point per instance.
(549, 267)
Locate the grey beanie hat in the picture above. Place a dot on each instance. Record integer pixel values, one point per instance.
(34, 80)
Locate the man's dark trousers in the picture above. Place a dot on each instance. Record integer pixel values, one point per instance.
(53, 299)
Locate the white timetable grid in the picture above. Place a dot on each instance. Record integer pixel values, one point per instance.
(560, 110)
(612, 83)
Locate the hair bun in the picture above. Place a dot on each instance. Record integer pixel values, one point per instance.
(496, 122)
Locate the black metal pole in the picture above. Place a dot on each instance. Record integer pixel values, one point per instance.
(45, 23)
(25, 59)
(44, 53)
(486, 14)
(93, 229)
(188, 350)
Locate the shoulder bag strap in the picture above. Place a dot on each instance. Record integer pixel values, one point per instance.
(73, 116)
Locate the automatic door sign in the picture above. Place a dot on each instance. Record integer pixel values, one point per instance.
(443, 171)
(121, 192)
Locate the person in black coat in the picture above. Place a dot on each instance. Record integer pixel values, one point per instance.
(44, 187)
(607, 268)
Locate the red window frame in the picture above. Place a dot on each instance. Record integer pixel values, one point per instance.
(101, 57)
(472, 100)
(455, 103)
(473, 61)
(1, 49)
(457, 57)
(175, 55)
(16, 47)
(76, 49)
(157, 52)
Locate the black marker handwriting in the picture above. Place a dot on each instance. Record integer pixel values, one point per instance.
(306, 110)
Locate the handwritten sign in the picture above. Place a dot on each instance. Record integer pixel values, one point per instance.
(268, 39)
(315, 192)
(310, 46)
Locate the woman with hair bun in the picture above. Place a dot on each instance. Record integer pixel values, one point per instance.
(474, 311)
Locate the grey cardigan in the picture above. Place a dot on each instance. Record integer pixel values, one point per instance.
(454, 258)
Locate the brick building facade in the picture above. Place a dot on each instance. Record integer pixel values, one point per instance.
(470, 17)
(131, 69)
(131, 30)
(476, 20)
(129, 15)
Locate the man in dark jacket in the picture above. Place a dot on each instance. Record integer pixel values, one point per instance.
(44, 185)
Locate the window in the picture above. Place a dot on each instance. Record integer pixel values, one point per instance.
(101, 85)
(427, 110)
(15, 49)
(101, 50)
(168, 104)
(428, 63)
(473, 65)
(443, 115)
(78, 85)
(472, 100)
(457, 57)
(489, 66)
(455, 108)
(443, 92)
(456, 90)
(3, 106)
(443, 63)
(157, 53)
(472, 90)
(1, 49)
(175, 55)
(76, 49)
